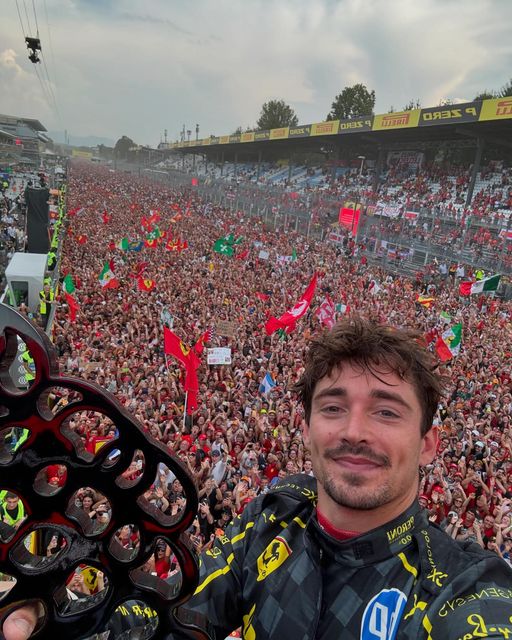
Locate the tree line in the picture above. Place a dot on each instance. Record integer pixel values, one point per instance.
(353, 101)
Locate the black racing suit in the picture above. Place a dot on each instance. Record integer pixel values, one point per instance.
(277, 574)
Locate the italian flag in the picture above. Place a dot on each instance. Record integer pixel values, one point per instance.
(107, 276)
(68, 286)
(123, 244)
(479, 286)
(448, 343)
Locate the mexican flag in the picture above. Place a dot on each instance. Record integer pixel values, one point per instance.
(68, 285)
(123, 244)
(479, 286)
(448, 343)
(107, 276)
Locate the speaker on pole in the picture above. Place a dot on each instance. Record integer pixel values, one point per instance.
(37, 219)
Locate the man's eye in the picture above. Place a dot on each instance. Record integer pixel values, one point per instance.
(387, 413)
(331, 409)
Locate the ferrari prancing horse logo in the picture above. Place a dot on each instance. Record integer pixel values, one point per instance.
(272, 557)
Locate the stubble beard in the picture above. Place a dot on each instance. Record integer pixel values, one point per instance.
(349, 491)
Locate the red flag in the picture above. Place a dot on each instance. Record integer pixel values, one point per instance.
(206, 337)
(195, 182)
(152, 244)
(139, 269)
(81, 239)
(243, 255)
(262, 296)
(106, 218)
(289, 319)
(145, 284)
(175, 347)
(73, 306)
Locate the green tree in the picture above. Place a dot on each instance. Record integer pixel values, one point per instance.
(506, 91)
(351, 102)
(122, 147)
(485, 95)
(412, 104)
(275, 114)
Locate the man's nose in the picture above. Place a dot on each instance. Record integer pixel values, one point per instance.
(355, 427)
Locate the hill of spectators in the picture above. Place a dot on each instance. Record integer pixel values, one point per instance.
(240, 440)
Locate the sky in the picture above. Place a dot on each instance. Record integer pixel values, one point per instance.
(126, 67)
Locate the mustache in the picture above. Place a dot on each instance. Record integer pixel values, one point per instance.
(360, 451)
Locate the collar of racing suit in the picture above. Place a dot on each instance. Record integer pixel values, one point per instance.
(371, 547)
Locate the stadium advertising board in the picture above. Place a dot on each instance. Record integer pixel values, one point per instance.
(78, 153)
(497, 109)
(325, 128)
(262, 135)
(300, 132)
(398, 120)
(279, 134)
(494, 109)
(468, 112)
(353, 125)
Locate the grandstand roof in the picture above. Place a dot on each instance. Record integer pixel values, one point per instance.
(491, 119)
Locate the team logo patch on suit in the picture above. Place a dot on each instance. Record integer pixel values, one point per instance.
(272, 557)
(382, 615)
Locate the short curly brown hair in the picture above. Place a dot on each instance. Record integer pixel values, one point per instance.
(378, 349)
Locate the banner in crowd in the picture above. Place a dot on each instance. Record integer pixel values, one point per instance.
(225, 328)
(218, 355)
(349, 216)
(405, 160)
(387, 210)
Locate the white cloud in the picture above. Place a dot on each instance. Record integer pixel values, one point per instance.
(137, 69)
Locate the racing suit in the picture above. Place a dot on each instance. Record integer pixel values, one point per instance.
(278, 575)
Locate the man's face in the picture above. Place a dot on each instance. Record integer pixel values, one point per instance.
(366, 444)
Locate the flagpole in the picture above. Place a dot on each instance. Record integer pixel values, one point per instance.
(185, 410)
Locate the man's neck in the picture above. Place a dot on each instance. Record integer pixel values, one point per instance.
(361, 520)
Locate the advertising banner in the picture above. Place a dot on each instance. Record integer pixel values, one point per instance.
(450, 114)
(235, 138)
(325, 128)
(247, 137)
(299, 132)
(224, 139)
(497, 109)
(354, 125)
(262, 135)
(399, 120)
(279, 134)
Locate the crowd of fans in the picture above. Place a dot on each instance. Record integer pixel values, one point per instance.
(241, 440)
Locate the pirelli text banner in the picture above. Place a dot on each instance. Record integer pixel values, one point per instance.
(398, 120)
(497, 109)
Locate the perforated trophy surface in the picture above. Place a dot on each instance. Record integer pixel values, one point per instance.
(51, 541)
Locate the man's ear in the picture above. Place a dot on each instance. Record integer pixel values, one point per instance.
(305, 433)
(429, 446)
